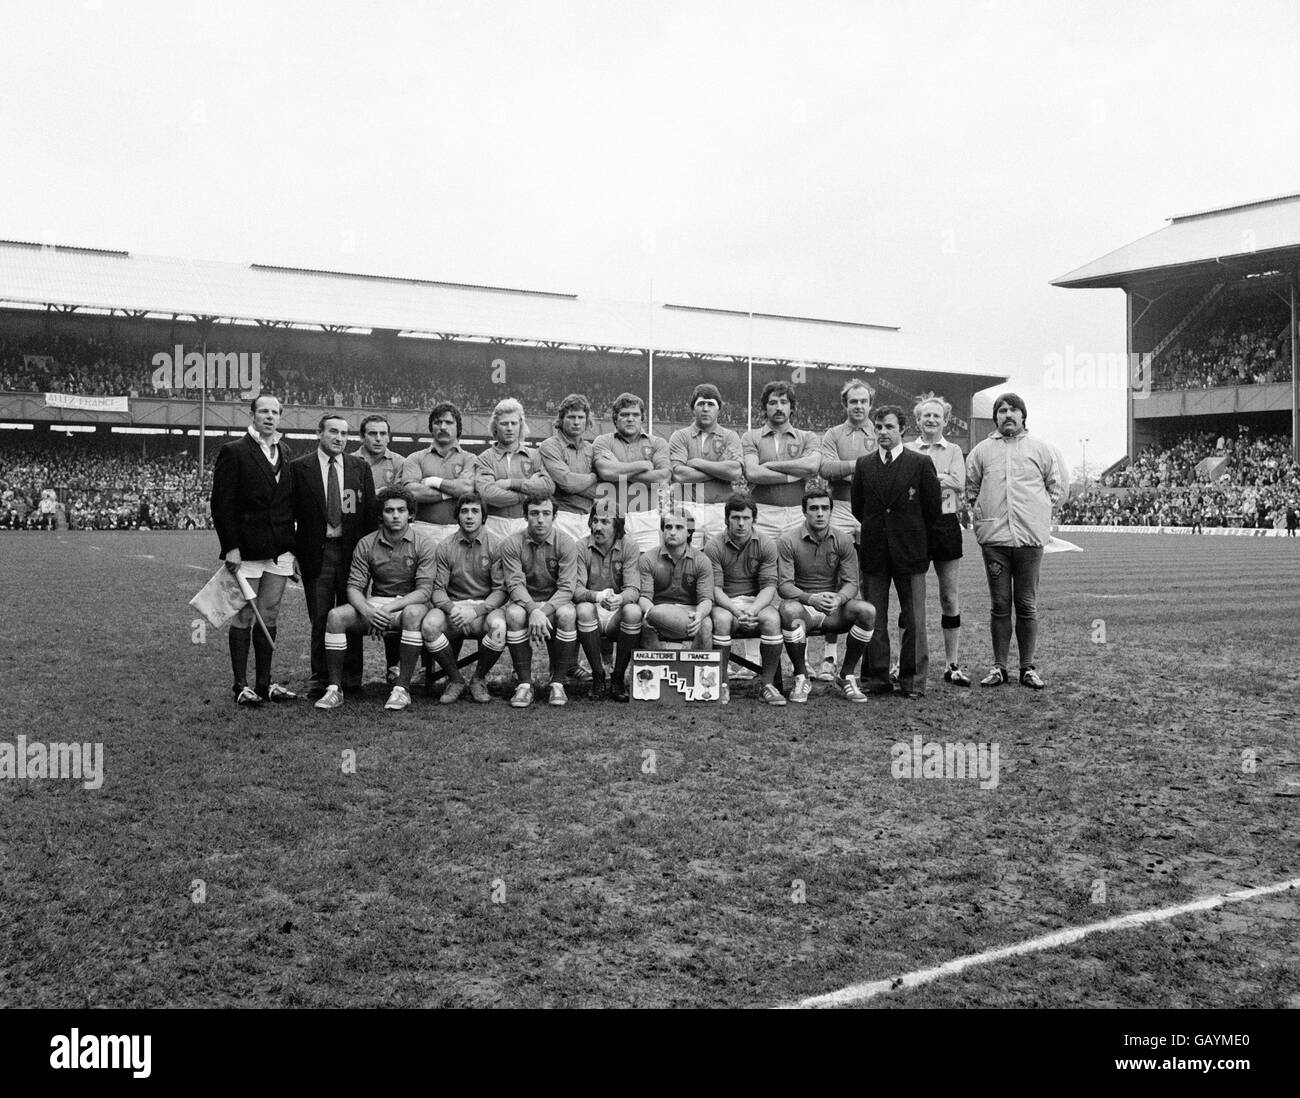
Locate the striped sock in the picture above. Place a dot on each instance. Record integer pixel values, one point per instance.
(566, 643)
(857, 643)
(409, 656)
(769, 650)
(488, 654)
(336, 651)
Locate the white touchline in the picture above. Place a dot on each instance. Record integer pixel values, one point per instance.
(856, 993)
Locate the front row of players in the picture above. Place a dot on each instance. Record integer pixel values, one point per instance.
(539, 584)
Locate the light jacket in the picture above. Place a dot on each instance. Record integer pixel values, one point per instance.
(1014, 483)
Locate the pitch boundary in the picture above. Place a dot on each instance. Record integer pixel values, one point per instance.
(857, 993)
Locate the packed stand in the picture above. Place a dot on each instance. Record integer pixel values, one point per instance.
(101, 485)
(1246, 346)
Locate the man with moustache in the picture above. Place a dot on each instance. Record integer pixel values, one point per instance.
(607, 598)
(438, 476)
(1014, 481)
(778, 459)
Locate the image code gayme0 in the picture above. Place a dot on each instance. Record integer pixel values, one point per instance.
(676, 677)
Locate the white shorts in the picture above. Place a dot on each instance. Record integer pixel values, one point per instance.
(642, 527)
(710, 519)
(255, 569)
(605, 617)
(436, 531)
(501, 528)
(572, 523)
(842, 518)
(774, 521)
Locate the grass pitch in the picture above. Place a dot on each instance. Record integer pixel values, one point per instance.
(605, 855)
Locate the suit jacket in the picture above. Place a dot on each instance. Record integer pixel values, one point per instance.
(899, 506)
(359, 516)
(252, 511)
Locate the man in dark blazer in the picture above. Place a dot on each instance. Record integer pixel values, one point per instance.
(252, 510)
(334, 508)
(895, 496)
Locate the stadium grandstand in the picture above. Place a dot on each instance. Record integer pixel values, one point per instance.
(1212, 394)
(94, 346)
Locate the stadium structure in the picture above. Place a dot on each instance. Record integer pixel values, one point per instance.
(1210, 322)
(392, 336)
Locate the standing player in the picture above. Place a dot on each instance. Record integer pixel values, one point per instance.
(1014, 481)
(636, 466)
(706, 460)
(607, 598)
(252, 510)
(508, 471)
(385, 464)
(388, 590)
(779, 459)
(566, 457)
(539, 566)
(817, 570)
(676, 582)
(842, 445)
(744, 591)
(468, 593)
(439, 475)
(932, 414)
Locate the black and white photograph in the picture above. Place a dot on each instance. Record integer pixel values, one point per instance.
(661, 507)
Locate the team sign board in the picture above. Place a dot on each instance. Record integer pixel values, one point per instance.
(675, 677)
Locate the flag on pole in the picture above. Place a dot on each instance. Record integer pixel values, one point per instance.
(1060, 545)
(222, 597)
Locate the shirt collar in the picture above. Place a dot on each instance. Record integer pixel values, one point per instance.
(768, 429)
(590, 543)
(528, 537)
(738, 548)
(477, 536)
(566, 441)
(806, 533)
(455, 449)
(276, 436)
(894, 453)
(324, 459)
(848, 427)
(407, 535)
(638, 438)
(364, 454)
(942, 444)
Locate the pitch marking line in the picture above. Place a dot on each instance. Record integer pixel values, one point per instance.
(857, 993)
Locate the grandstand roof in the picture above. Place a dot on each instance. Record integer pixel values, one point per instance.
(1249, 237)
(36, 275)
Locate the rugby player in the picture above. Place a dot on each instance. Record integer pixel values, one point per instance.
(509, 472)
(468, 594)
(635, 465)
(388, 589)
(676, 582)
(744, 591)
(932, 414)
(705, 460)
(439, 475)
(842, 445)
(817, 581)
(540, 569)
(385, 465)
(779, 459)
(607, 598)
(566, 457)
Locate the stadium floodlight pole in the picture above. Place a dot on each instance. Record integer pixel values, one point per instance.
(650, 384)
(749, 397)
(1084, 443)
(204, 326)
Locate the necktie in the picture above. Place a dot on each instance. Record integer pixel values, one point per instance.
(889, 456)
(333, 502)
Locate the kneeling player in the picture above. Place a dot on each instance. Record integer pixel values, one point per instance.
(395, 564)
(676, 583)
(540, 569)
(817, 570)
(607, 598)
(744, 591)
(468, 593)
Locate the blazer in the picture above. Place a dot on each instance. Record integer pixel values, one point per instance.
(252, 511)
(359, 516)
(898, 507)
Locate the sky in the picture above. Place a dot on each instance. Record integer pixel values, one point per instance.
(932, 166)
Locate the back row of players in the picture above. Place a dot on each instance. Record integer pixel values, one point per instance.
(568, 541)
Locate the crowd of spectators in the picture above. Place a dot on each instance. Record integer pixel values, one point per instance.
(1248, 345)
(102, 484)
(92, 367)
(1255, 485)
